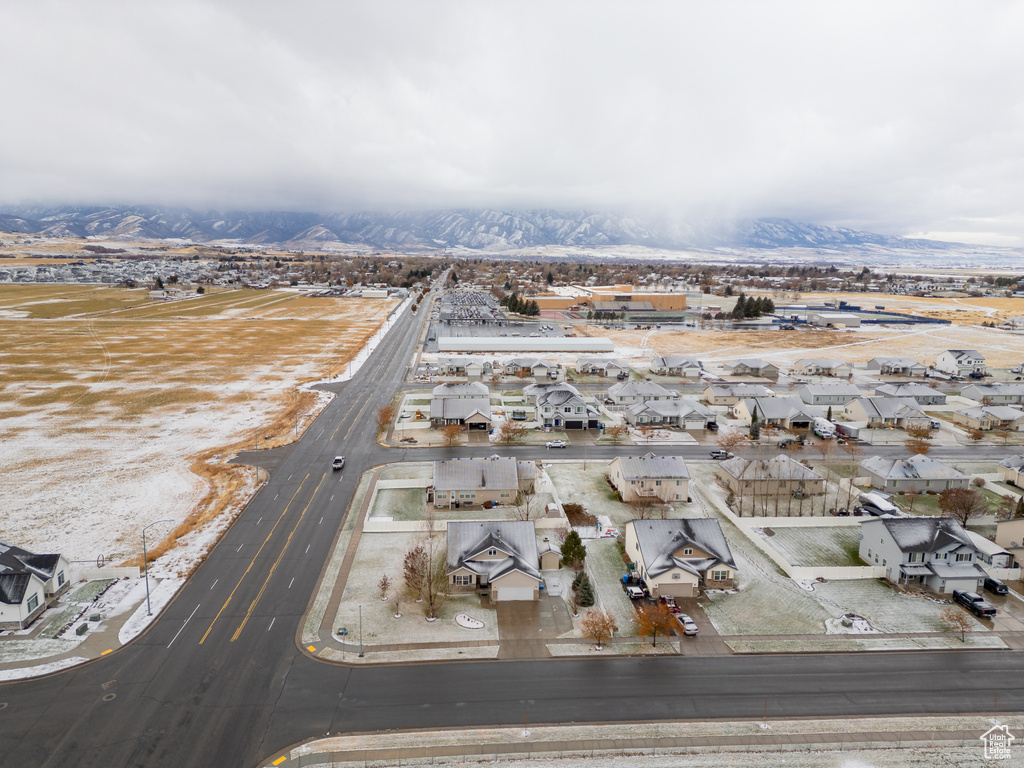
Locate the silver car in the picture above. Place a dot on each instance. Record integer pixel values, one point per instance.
(688, 625)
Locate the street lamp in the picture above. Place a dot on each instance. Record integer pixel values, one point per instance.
(361, 630)
(145, 562)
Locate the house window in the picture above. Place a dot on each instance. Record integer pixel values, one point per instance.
(506, 495)
(33, 603)
(688, 551)
(679, 482)
(60, 579)
(675, 575)
(492, 551)
(916, 557)
(963, 557)
(657, 483)
(719, 575)
(462, 579)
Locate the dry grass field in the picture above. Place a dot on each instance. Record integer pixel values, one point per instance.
(116, 411)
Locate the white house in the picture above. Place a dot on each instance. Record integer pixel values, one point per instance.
(28, 583)
(933, 552)
(561, 405)
(784, 412)
(960, 362)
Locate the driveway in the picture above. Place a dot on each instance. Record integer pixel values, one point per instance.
(525, 626)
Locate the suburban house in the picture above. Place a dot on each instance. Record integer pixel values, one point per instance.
(677, 557)
(730, 394)
(629, 392)
(752, 367)
(685, 413)
(784, 412)
(922, 394)
(995, 394)
(916, 473)
(28, 584)
(777, 476)
(932, 552)
(986, 417)
(467, 403)
(532, 366)
(1010, 536)
(887, 412)
(601, 366)
(828, 393)
(661, 478)
(475, 482)
(808, 367)
(897, 366)
(473, 367)
(561, 405)
(961, 362)
(1011, 469)
(990, 555)
(676, 365)
(498, 557)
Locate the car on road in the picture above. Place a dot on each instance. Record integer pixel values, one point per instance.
(557, 444)
(338, 463)
(635, 593)
(722, 454)
(974, 603)
(688, 625)
(996, 586)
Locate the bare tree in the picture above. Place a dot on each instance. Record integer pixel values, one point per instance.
(919, 442)
(414, 571)
(654, 620)
(730, 438)
(598, 625)
(526, 505)
(1006, 508)
(962, 504)
(956, 620)
(450, 433)
(385, 415)
(646, 508)
(975, 434)
(617, 433)
(1002, 434)
(647, 431)
(384, 585)
(511, 432)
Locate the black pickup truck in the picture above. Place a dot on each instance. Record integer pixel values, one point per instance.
(974, 603)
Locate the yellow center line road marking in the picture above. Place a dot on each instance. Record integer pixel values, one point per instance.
(277, 562)
(342, 421)
(279, 761)
(109, 650)
(226, 602)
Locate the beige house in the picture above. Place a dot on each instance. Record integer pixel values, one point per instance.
(496, 480)
(664, 478)
(678, 557)
(498, 558)
(676, 365)
(822, 367)
(778, 476)
(998, 393)
(1010, 536)
(988, 417)
(917, 473)
(784, 412)
(730, 394)
(752, 366)
(887, 412)
(1011, 469)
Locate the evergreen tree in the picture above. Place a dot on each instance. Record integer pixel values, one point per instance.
(755, 427)
(584, 590)
(740, 308)
(534, 309)
(573, 551)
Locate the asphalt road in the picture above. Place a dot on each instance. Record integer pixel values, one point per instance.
(219, 680)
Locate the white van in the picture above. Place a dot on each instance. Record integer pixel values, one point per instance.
(824, 428)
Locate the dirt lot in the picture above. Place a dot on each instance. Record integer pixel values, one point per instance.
(116, 411)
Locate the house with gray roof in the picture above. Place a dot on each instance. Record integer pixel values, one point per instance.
(887, 413)
(1011, 469)
(897, 366)
(467, 403)
(777, 476)
(961, 362)
(730, 394)
(677, 365)
(752, 366)
(782, 412)
(498, 558)
(629, 392)
(1001, 393)
(601, 366)
(28, 583)
(685, 413)
(467, 482)
(678, 557)
(561, 405)
(988, 417)
(916, 473)
(822, 367)
(922, 394)
(464, 365)
(828, 393)
(658, 478)
(932, 552)
(533, 366)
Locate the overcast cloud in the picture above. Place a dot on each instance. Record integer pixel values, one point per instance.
(901, 118)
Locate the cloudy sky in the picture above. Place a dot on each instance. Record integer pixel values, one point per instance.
(895, 117)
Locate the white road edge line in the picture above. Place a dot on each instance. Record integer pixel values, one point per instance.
(291, 582)
(183, 625)
(307, 548)
(214, 583)
(259, 521)
(240, 547)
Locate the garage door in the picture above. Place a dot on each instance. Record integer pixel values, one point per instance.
(676, 590)
(515, 593)
(574, 425)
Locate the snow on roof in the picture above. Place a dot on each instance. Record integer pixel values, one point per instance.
(516, 538)
(924, 534)
(907, 390)
(657, 540)
(645, 389)
(1000, 412)
(914, 467)
(785, 408)
(779, 467)
(890, 407)
(672, 408)
(460, 389)
(651, 467)
(496, 472)
(1013, 462)
(675, 361)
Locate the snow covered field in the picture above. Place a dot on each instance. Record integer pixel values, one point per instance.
(832, 546)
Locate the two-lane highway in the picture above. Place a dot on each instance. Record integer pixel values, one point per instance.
(218, 680)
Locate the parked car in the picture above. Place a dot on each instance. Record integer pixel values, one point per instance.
(688, 625)
(338, 463)
(790, 442)
(712, 425)
(670, 603)
(721, 455)
(974, 603)
(634, 592)
(995, 586)
(557, 444)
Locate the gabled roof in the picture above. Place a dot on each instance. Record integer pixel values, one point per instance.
(651, 467)
(739, 390)
(460, 407)
(644, 389)
(1000, 412)
(889, 407)
(17, 567)
(675, 361)
(895, 362)
(554, 394)
(749, 362)
(601, 362)
(785, 408)
(779, 467)
(830, 388)
(959, 354)
(495, 473)
(1013, 462)
(907, 390)
(914, 467)
(820, 363)
(460, 389)
(516, 538)
(657, 540)
(925, 534)
(978, 391)
(529, 362)
(672, 408)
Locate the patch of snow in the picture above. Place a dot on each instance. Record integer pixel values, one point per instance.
(159, 596)
(42, 669)
(468, 622)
